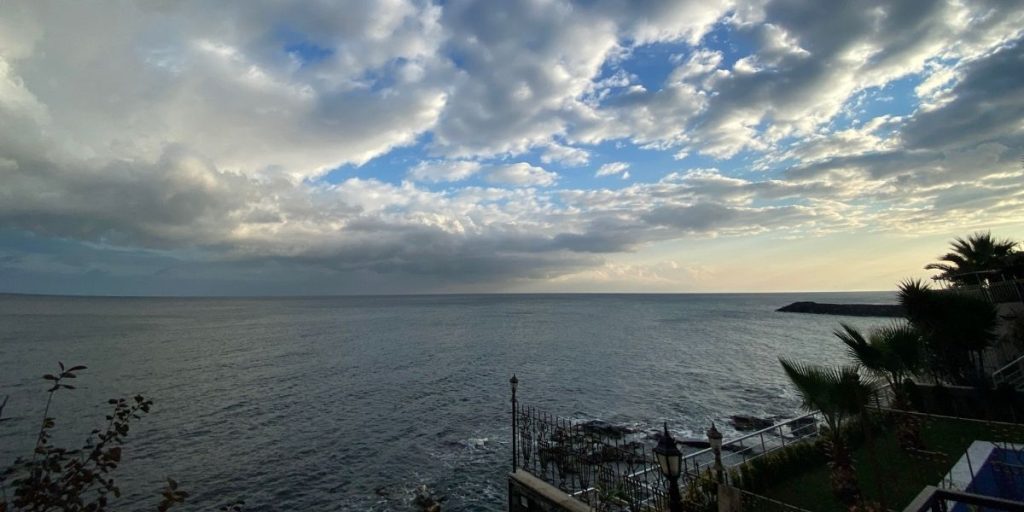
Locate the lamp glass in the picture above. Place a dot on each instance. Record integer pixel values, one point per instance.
(669, 457)
(670, 465)
(715, 438)
(663, 464)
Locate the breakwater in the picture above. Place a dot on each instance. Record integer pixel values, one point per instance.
(818, 308)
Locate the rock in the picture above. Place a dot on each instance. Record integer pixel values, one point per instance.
(745, 423)
(880, 310)
(605, 429)
(425, 500)
(629, 452)
(694, 443)
(802, 426)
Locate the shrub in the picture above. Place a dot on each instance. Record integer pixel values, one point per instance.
(768, 470)
(55, 478)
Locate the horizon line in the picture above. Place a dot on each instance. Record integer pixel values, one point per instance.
(433, 294)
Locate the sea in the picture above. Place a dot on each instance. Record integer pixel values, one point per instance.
(354, 403)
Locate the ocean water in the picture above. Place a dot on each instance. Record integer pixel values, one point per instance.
(350, 403)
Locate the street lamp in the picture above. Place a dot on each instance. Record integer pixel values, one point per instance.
(515, 434)
(669, 459)
(715, 439)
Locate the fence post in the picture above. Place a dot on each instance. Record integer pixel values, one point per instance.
(515, 431)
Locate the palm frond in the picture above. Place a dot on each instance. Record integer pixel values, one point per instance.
(837, 391)
(858, 347)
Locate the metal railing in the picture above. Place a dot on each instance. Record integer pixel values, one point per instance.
(936, 499)
(997, 292)
(756, 444)
(956, 471)
(1011, 374)
(752, 502)
(748, 447)
(605, 471)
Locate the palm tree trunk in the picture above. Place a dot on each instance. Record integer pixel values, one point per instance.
(843, 475)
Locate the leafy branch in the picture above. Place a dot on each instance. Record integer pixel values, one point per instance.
(78, 480)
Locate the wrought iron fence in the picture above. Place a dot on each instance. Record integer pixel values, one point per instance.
(606, 471)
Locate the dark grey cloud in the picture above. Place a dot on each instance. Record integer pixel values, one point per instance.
(178, 199)
(705, 217)
(949, 153)
(987, 104)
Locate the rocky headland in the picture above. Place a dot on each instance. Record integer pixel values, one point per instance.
(820, 308)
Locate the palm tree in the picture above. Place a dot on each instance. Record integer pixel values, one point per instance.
(980, 252)
(892, 353)
(840, 394)
(956, 330)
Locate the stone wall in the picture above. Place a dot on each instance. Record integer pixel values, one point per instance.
(527, 493)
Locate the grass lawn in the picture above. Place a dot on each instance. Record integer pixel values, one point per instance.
(892, 476)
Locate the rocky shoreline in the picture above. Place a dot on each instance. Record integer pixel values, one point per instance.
(819, 308)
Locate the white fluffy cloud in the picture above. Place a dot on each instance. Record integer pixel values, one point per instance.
(612, 168)
(176, 75)
(521, 174)
(566, 155)
(435, 171)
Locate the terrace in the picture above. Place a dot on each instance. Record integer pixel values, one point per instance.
(777, 468)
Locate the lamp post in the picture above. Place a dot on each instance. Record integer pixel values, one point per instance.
(515, 434)
(669, 459)
(715, 439)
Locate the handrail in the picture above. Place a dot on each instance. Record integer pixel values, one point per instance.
(739, 441)
(997, 292)
(1009, 365)
(935, 498)
(765, 430)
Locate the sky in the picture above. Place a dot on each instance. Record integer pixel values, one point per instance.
(350, 147)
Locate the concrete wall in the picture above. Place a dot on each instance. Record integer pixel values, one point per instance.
(527, 493)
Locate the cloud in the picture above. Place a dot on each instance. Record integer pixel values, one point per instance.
(521, 174)
(510, 97)
(450, 170)
(233, 96)
(801, 74)
(612, 168)
(957, 162)
(986, 103)
(188, 149)
(566, 155)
